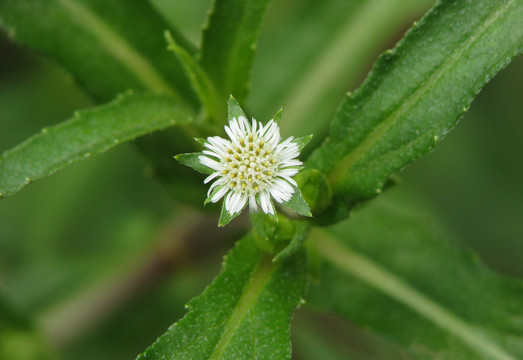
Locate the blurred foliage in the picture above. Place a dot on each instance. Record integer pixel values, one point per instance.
(76, 229)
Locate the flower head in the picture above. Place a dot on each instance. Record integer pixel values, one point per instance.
(254, 166)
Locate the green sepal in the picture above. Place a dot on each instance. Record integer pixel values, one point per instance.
(191, 160)
(264, 228)
(277, 117)
(298, 203)
(274, 216)
(225, 217)
(200, 141)
(302, 141)
(234, 109)
(213, 192)
(301, 232)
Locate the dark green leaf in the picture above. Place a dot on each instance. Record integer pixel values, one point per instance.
(414, 96)
(396, 275)
(301, 232)
(244, 314)
(298, 203)
(229, 42)
(100, 43)
(89, 132)
(191, 160)
(201, 83)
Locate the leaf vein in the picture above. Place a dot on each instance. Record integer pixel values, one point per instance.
(383, 280)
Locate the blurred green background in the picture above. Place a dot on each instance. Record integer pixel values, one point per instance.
(74, 235)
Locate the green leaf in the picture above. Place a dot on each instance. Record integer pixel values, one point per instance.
(298, 203)
(277, 117)
(414, 95)
(200, 82)
(88, 133)
(302, 141)
(244, 314)
(395, 275)
(229, 42)
(191, 160)
(234, 109)
(301, 232)
(100, 43)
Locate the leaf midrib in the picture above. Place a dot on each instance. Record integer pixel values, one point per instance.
(337, 175)
(382, 279)
(248, 299)
(119, 48)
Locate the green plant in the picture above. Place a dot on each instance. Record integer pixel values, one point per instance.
(385, 271)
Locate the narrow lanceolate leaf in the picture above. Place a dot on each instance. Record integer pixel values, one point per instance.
(414, 95)
(229, 43)
(200, 82)
(100, 43)
(89, 132)
(243, 314)
(395, 276)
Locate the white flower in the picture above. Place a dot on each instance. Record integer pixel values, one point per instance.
(253, 166)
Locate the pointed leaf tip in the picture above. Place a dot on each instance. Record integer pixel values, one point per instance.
(234, 109)
(298, 203)
(192, 160)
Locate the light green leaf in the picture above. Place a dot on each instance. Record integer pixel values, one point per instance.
(200, 82)
(298, 203)
(414, 96)
(234, 109)
(100, 43)
(229, 42)
(244, 314)
(191, 160)
(277, 117)
(302, 141)
(395, 275)
(88, 133)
